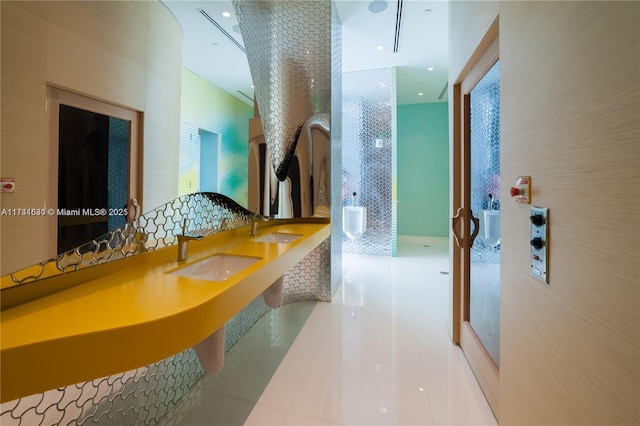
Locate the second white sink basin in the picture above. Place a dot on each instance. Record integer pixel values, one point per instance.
(218, 267)
(278, 237)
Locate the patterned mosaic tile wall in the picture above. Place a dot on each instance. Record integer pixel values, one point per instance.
(485, 157)
(141, 396)
(336, 149)
(311, 278)
(289, 51)
(145, 395)
(368, 154)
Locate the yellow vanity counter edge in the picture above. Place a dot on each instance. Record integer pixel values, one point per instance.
(138, 314)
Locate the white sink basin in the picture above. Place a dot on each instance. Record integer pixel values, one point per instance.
(278, 237)
(218, 267)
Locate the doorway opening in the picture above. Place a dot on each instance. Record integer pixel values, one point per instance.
(209, 156)
(199, 160)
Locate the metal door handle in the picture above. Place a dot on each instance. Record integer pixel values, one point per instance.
(454, 222)
(476, 228)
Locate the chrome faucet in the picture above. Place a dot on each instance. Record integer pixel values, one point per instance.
(183, 242)
(254, 224)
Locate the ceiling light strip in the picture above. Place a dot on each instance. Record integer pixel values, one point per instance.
(245, 95)
(444, 90)
(396, 42)
(222, 30)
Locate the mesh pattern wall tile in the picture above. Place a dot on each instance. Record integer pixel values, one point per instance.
(289, 51)
(485, 156)
(140, 396)
(310, 279)
(239, 324)
(368, 146)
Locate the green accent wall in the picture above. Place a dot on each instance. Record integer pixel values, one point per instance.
(206, 106)
(423, 169)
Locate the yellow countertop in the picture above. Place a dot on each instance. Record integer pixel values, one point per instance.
(130, 313)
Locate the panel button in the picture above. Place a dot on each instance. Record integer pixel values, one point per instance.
(537, 219)
(537, 243)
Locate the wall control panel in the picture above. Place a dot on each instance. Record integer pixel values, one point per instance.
(540, 243)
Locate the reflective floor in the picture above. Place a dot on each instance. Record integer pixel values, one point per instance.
(379, 354)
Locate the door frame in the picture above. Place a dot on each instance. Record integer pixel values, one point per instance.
(485, 370)
(57, 97)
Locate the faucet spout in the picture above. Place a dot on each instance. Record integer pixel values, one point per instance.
(183, 245)
(255, 221)
(183, 242)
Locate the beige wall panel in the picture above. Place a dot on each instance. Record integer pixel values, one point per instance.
(473, 19)
(162, 123)
(23, 148)
(569, 117)
(98, 49)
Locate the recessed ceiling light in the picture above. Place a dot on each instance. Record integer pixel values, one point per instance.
(226, 14)
(377, 6)
(420, 94)
(428, 11)
(430, 69)
(380, 47)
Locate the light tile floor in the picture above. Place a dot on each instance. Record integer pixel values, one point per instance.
(379, 354)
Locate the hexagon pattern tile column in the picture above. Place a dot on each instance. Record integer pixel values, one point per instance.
(289, 51)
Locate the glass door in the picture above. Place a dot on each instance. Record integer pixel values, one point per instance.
(484, 197)
(93, 175)
(95, 166)
(476, 225)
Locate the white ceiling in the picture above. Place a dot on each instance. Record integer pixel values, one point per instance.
(423, 43)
